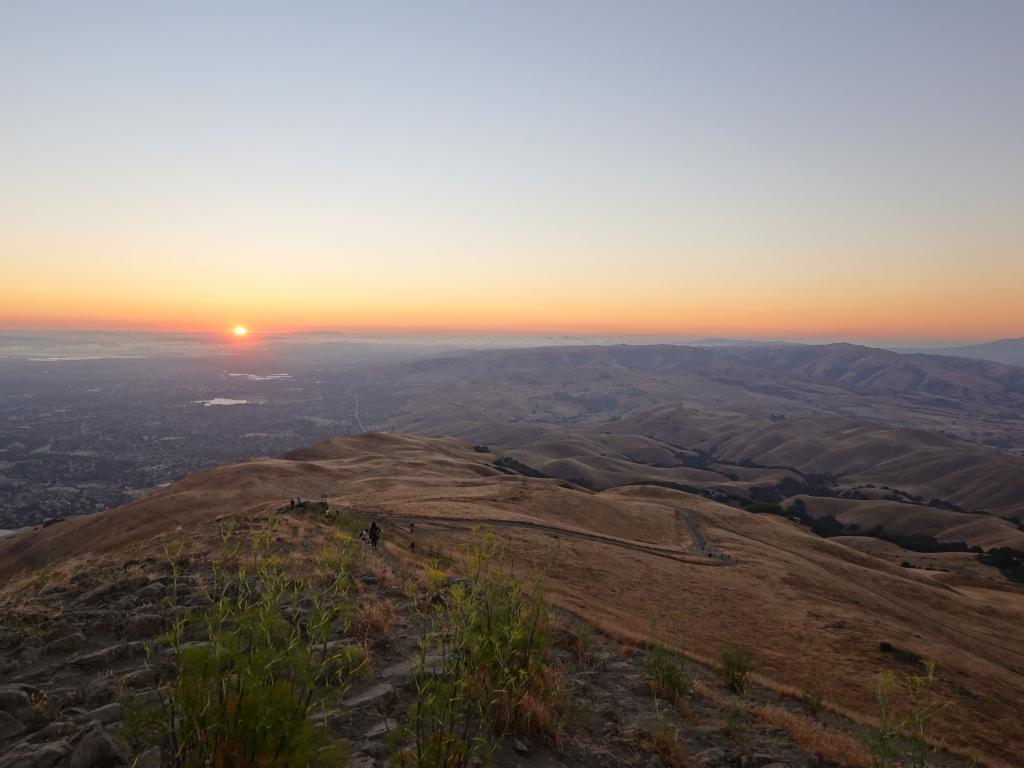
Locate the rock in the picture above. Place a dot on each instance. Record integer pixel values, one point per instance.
(139, 678)
(36, 755)
(30, 655)
(97, 595)
(65, 697)
(10, 726)
(100, 749)
(404, 669)
(10, 638)
(16, 702)
(107, 714)
(711, 758)
(362, 761)
(520, 747)
(370, 694)
(198, 600)
(143, 625)
(59, 729)
(152, 592)
(153, 697)
(380, 729)
(67, 644)
(105, 656)
(99, 691)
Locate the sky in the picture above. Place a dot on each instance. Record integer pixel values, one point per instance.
(749, 169)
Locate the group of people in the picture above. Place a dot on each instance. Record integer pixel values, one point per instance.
(371, 534)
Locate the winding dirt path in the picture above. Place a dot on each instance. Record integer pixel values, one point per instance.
(701, 554)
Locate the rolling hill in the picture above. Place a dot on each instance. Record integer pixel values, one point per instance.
(627, 559)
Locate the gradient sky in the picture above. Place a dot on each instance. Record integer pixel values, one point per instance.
(756, 169)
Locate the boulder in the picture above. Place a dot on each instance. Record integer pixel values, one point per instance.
(58, 729)
(711, 758)
(67, 644)
(139, 678)
(100, 749)
(149, 759)
(101, 690)
(36, 755)
(15, 701)
(144, 625)
(368, 695)
(152, 592)
(105, 656)
(107, 714)
(10, 727)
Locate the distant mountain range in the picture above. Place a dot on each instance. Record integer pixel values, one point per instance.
(1008, 351)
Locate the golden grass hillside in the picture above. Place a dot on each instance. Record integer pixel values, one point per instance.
(631, 561)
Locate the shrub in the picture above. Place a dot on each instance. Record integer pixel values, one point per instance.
(243, 697)
(664, 741)
(668, 676)
(375, 616)
(737, 664)
(577, 638)
(881, 743)
(920, 705)
(481, 672)
(811, 700)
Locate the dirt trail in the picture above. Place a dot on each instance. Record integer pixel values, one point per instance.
(699, 554)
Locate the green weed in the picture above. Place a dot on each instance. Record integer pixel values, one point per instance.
(737, 664)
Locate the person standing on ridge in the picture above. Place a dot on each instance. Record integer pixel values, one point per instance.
(374, 534)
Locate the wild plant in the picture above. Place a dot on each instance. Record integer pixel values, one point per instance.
(904, 741)
(668, 676)
(243, 694)
(737, 664)
(481, 671)
(882, 742)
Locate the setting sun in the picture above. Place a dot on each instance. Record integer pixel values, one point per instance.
(240, 330)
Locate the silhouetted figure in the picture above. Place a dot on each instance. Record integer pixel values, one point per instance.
(291, 503)
(412, 546)
(374, 534)
(412, 527)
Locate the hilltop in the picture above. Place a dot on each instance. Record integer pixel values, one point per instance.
(636, 564)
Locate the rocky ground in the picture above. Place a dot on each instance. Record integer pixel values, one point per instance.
(73, 651)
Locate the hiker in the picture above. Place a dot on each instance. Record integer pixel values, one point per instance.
(374, 534)
(412, 547)
(291, 503)
(412, 527)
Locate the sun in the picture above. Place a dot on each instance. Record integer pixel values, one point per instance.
(240, 330)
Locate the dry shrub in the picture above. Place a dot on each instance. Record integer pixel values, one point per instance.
(541, 710)
(815, 738)
(376, 616)
(664, 740)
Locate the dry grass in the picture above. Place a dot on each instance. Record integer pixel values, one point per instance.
(542, 709)
(802, 592)
(375, 616)
(664, 741)
(815, 738)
